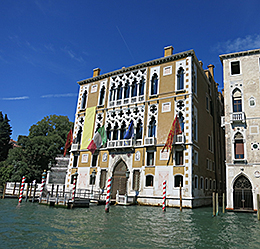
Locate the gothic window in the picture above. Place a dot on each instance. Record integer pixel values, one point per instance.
(149, 181)
(134, 89)
(115, 132)
(78, 138)
(154, 84)
(122, 130)
(152, 127)
(139, 130)
(109, 132)
(102, 95)
(112, 93)
(180, 79)
(141, 87)
(84, 100)
(239, 146)
(119, 91)
(178, 180)
(237, 101)
(127, 90)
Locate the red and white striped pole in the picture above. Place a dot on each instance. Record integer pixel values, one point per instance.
(43, 181)
(108, 194)
(21, 190)
(74, 186)
(164, 196)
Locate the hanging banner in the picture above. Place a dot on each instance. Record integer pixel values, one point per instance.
(88, 127)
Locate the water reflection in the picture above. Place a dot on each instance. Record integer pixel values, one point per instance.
(32, 225)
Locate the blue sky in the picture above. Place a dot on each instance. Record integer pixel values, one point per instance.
(46, 46)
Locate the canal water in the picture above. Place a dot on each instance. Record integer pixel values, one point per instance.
(31, 225)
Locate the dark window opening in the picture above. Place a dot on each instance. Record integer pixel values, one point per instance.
(149, 181)
(235, 67)
(150, 158)
(178, 180)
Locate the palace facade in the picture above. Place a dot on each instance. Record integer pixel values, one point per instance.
(241, 72)
(152, 94)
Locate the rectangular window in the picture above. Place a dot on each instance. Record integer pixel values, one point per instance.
(136, 180)
(207, 163)
(94, 160)
(196, 182)
(179, 157)
(206, 183)
(237, 105)
(75, 161)
(235, 67)
(195, 124)
(239, 149)
(150, 158)
(196, 158)
(201, 183)
(103, 178)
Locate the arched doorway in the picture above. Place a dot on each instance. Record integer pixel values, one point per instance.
(242, 194)
(119, 179)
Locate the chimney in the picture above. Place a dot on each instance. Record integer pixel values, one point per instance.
(96, 72)
(201, 64)
(211, 69)
(168, 51)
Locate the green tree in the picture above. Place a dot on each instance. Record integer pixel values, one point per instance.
(5, 136)
(35, 152)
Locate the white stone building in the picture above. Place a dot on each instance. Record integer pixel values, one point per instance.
(241, 73)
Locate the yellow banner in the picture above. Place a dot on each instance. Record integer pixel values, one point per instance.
(88, 127)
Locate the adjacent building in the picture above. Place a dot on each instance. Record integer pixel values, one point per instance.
(241, 72)
(152, 94)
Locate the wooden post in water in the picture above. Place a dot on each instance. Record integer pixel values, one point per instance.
(57, 190)
(34, 191)
(4, 191)
(180, 198)
(214, 203)
(27, 192)
(30, 194)
(52, 189)
(63, 190)
(258, 211)
(14, 188)
(223, 203)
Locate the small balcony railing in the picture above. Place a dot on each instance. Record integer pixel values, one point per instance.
(149, 141)
(180, 139)
(237, 117)
(124, 143)
(75, 147)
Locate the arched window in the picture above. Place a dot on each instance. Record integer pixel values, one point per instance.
(139, 130)
(78, 139)
(239, 146)
(181, 120)
(112, 93)
(127, 90)
(102, 95)
(154, 84)
(141, 87)
(152, 127)
(180, 79)
(178, 179)
(122, 130)
(84, 100)
(149, 181)
(119, 91)
(134, 89)
(109, 132)
(115, 132)
(237, 101)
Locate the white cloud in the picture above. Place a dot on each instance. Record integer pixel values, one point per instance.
(59, 95)
(238, 44)
(16, 98)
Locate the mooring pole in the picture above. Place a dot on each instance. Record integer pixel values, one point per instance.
(27, 192)
(180, 198)
(214, 203)
(258, 211)
(30, 194)
(14, 188)
(108, 194)
(223, 203)
(4, 191)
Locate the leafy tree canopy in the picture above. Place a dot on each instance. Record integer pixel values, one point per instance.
(45, 141)
(5, 136)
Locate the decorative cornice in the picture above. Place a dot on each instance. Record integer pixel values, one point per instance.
(139, 66)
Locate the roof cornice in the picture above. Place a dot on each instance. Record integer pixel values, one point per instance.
(139, 66)
(238, 54)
